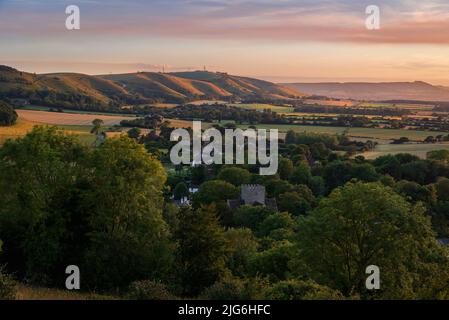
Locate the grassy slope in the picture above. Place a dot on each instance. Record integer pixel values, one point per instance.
(179, 86)
(241, 85)
(69, 83)
(37, 293)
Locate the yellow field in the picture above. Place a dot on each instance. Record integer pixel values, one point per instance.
(55, 118)
(22, 127)
(18, 130)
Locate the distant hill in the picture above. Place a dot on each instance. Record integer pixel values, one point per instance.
(60, 89)
(200, 85)
(110, 91)
(417, 90)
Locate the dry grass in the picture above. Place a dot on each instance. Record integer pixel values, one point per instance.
(55, 118)
(21, 128)
(36, 293)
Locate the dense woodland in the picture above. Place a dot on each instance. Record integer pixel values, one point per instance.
(110, 210)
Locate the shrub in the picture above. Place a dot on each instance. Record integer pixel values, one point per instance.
(8, 116)
(231, 288)
(149, 290)
(302, 290)
(7, 286)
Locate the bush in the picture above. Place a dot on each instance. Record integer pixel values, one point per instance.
(8, 116)
(302, 290)
(231, 288)
(149, 290)
(7, 286)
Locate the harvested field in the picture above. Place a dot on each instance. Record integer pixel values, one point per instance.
(55, 118)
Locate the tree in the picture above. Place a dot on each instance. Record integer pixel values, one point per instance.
(234, 175)
(274, 263)
(301, 174)
(97, 123)
(251, 216)
(134, 133)
(294, 203)
(215, 191)
(39, 182)
(242, 245)
(97, 208)
(202, 249)
(8, 116)
(285, 168)
(181, 191)
(439, 155)
(278, 226)
(127, 230)
(442, 187)
(364, 224)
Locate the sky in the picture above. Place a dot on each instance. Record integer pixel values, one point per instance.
(277, 40)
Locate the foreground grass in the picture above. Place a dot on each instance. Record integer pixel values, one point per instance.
(25, 292)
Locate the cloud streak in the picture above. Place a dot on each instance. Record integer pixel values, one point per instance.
(403, 22)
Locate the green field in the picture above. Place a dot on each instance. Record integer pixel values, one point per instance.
(419, 150)
(375, 133)
(409, 106)
(262, 106)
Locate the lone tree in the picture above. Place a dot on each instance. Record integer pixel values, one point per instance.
(8, 116)
(97, 123)
(363, 224)
(134, 133)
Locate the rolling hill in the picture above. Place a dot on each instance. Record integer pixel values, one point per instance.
(60, 86)
(417, 90)
(200, 85)
(111, 91)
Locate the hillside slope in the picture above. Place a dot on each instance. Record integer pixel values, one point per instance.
(417, 90)
(242, 86)
(81, 91)
(59, 90)
(202, 85)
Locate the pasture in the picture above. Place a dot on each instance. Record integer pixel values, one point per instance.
(262, 106)
(374, 133)
(419, 150)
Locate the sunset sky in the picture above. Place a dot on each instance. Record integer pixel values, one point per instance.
(278, 40)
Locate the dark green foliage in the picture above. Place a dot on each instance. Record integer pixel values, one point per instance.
(99, 209)
(149, 290)
(302, 290)
(202, 250)
(8, 116)
(181, 190)
(242, 245)
(134, 133)
(235, 176)
(251, 217)
(7, 286)
(364, 224)
(231, 288)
